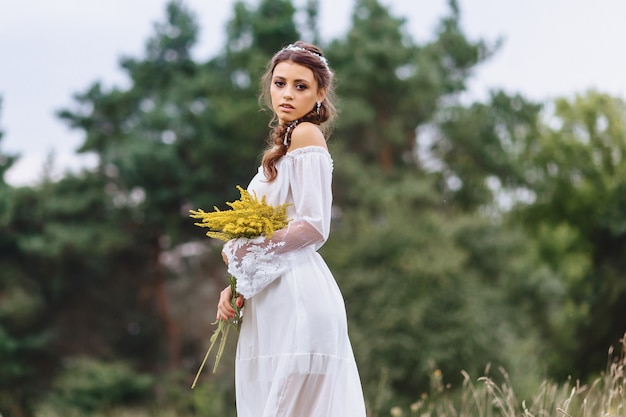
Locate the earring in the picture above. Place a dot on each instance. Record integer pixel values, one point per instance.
(317, 107)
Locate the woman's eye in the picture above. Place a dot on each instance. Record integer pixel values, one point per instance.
(279, 83)
(301, 87)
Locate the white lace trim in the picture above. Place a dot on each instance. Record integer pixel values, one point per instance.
(258, 267)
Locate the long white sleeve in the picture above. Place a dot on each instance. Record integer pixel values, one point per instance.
(304, 180)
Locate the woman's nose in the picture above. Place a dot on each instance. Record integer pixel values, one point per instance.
(288, 94)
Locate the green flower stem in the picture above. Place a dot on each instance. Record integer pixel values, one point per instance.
(223, 328)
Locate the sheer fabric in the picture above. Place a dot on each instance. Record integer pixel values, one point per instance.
(294, 358)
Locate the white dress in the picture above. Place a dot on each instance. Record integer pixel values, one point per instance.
(294, 358)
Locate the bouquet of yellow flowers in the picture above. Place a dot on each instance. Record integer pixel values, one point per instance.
(249, 217)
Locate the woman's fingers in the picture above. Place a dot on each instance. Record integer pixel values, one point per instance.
(240, 301)
(224, 309)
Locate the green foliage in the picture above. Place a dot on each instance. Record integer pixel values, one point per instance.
(6, 161)
(206, 399)
(64, 243)
(165, 144)
(175, 136)
(88, 385)
(388, 85)
(579, 164)
(483, 148)
(16, 352)
(131, 393)
(266, 28)
(427, 287)
(578, 176)
(24, 337)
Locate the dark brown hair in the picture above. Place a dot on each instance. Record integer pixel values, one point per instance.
(312, 58)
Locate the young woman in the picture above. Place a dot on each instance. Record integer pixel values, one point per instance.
(294, 358)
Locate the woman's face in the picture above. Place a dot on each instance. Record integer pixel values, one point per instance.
(294, 91)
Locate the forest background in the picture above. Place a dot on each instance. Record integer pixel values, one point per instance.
(466, 234)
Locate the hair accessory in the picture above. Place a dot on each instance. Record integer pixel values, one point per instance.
(291, 125)
(292, 47)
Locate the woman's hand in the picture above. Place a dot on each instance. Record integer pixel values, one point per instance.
(226, 311)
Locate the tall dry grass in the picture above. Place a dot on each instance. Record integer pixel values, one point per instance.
(604, 397)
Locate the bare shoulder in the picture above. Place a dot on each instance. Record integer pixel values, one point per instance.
(307, 134)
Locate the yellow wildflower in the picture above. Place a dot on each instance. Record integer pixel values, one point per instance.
(249, 217)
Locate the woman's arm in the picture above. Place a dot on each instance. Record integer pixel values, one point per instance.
(256, 262)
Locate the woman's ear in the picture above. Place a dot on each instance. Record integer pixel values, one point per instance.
(321, 94)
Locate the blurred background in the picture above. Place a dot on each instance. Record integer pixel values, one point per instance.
(480, 193)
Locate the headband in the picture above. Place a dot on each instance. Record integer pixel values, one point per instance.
(292, 47)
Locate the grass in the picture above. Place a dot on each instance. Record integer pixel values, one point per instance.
(604, 397)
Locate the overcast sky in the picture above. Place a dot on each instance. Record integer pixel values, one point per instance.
(50, 50)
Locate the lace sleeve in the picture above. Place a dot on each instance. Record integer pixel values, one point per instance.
(259, 261)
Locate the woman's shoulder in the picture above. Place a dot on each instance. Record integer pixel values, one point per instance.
(313, 154)
(307, 134)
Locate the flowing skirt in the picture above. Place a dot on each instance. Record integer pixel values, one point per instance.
(294, 358)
